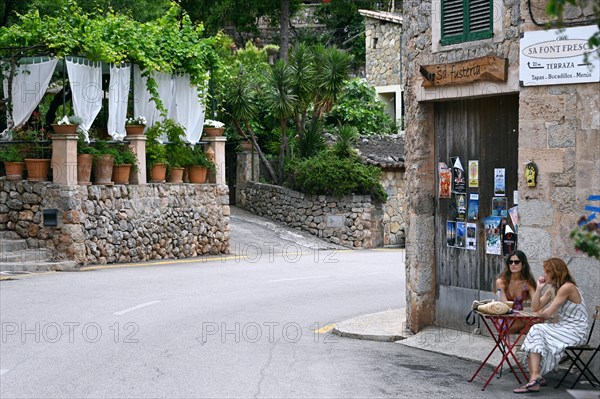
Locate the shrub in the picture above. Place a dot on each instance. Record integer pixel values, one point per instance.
(359, 107)
(11, 154)
(330, 175)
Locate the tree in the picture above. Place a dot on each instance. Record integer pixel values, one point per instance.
(556, 8)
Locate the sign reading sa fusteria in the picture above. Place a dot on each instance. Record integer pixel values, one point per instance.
(488, 68)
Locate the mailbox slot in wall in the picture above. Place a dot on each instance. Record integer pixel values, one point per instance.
(50, 217)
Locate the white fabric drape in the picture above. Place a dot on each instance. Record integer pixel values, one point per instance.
(30, 83)
(118, 95)
(142, 105)
(86, 86)
(189, 110)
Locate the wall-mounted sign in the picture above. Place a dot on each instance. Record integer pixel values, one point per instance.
(550, 57)
(489, 68)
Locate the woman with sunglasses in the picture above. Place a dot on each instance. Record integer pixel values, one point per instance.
(546, 343)
(516, 284)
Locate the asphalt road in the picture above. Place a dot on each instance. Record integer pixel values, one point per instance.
(239, 326)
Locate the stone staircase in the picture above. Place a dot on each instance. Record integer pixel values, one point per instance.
(15, 256)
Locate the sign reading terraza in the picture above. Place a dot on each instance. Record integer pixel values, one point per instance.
(490, 68)
(550, 57)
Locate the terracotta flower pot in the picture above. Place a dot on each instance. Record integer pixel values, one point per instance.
(64, 129)
(158, 173)
(246, 145)
(197, 174)
(37, 169)
(176, 175)
(214, 131)
(121, 173)
(103, 167)
(14, 170)
(135, 130)
(84, 169)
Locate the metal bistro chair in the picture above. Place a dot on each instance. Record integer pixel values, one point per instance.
(574, 355)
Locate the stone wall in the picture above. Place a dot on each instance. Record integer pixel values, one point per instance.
(394, 209)
(383, 52)
(109, 224)
(353, 221)
(559, 129)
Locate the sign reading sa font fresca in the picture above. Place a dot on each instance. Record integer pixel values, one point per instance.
(551, 57)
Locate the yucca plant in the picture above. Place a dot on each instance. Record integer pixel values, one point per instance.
(345, 139)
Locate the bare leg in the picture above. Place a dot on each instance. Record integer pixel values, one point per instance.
(534, 359)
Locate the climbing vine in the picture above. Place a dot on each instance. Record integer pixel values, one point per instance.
(169, 44)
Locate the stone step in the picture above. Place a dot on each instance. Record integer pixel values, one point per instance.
(9, 235)
(27, 255)
(36, 267)
(12, 246)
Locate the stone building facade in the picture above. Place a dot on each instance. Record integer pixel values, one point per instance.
(556, 126)
(387, 153)
(383, 32)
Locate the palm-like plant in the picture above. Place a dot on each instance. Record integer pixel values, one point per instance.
(302, 64)
(281, 103)
(332, 71)
(345, 138)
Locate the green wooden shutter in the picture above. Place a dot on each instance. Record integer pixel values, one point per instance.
(453, 12)
(466, 20)
(480, 19)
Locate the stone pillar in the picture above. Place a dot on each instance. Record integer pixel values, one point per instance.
(64, 159)
(247, 170)
(138, 146)
(217, 144)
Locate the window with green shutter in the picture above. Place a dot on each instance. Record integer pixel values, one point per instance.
(466, 20)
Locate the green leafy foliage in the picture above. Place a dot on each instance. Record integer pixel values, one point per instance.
(556, 8)
(156, 152)
(170, 43)
(11, 153)
(359, 107)
(586, 238)
(330, 175)
(345, 139)
(123, 155)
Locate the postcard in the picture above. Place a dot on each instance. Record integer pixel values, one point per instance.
(499, 182)
(473, 173)
(499, 206)
(471, 244)
(473, 213)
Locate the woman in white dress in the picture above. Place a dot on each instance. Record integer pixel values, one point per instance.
(546, 342)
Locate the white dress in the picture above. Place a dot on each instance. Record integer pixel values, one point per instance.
(552, 339)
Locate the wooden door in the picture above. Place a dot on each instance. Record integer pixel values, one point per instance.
(484, 129)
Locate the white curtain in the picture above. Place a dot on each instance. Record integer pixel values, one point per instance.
(142, 105)
(86, 86)
(30, 83)
(166, 92)
(189, 109)
(118, 95)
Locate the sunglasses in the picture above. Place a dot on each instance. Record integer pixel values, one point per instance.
(514, 262)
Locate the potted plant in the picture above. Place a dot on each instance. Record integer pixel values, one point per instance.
(178, 151)
(213, 128)
(104, 160)
(13, 162)
(156, 153)
(199, 165)
(124, 160)
(67, 124)
(135, 126)
(85, 157)
(36, 153)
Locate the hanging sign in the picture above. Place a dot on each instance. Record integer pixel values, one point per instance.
(558, 56)
(488, 68)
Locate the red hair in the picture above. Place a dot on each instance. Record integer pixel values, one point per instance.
(559, 271)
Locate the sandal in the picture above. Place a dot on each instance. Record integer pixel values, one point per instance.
(543, 382)
(533, 386)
